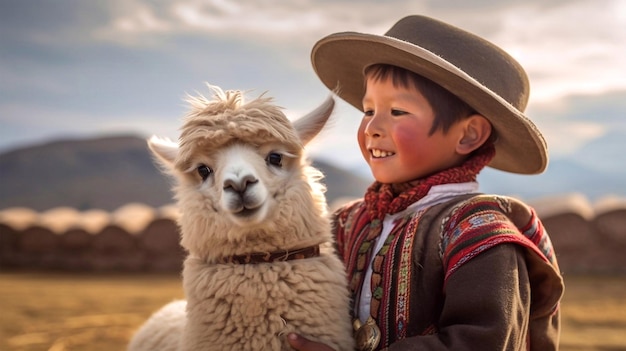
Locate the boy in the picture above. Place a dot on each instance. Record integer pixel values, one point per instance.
(432, 264)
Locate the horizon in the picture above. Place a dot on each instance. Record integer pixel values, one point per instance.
(563, 178)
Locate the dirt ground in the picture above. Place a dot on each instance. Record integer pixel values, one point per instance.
(59, 312)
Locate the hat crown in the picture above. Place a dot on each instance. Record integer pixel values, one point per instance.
(477, 57)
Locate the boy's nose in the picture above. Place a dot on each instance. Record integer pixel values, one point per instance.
(373, 135)
(373, 127)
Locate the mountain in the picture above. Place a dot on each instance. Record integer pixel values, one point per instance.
(561, 177)
(108, 172)
(584, 173)
(596, 169)
(605, 154)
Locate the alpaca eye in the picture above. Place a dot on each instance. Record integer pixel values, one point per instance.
(204, 171)
(274, 159)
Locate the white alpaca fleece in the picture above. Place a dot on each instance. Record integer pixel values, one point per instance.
(244, 186)
(163, 330)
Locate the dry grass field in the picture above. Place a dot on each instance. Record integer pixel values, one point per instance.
(58, 312)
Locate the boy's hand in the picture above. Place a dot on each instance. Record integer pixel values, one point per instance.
(303, 344)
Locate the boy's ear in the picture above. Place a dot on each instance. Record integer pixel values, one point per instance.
(476, 130)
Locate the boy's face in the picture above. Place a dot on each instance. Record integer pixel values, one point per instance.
(394, 135)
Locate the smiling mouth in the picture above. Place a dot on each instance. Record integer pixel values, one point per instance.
(377, 153)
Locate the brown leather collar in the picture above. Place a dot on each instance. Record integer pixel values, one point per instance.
(276, 256)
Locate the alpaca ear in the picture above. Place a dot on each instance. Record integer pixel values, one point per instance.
(164, 150)
(310, 125)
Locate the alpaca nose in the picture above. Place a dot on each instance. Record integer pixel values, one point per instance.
(239, 185)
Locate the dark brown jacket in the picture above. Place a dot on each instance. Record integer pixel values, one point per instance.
(505, 298)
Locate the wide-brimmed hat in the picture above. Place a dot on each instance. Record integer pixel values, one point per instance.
(472, 68)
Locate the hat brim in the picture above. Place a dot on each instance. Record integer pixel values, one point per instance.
(340, 59)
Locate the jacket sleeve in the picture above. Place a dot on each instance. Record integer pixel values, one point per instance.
(487, 305)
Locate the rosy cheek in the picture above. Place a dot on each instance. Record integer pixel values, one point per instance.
(406, 138)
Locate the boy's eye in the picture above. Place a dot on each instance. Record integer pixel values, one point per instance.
(397, 113)
(369, 113)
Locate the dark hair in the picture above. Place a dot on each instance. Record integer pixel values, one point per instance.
(447, 107)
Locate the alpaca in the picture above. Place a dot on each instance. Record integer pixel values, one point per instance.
(261, 261)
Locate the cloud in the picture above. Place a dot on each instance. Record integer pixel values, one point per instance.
(565, 139)
(607, 109)
(573, 122)
(561, 43)
(267, 22)
(48, 23)
(573, 48)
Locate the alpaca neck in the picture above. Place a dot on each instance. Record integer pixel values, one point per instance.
(238, 243)
(274, 256)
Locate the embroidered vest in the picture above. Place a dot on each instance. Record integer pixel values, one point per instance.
(419, 255)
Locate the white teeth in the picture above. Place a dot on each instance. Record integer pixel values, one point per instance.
(381, 153)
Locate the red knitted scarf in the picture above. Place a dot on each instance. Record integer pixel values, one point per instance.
(382, 199)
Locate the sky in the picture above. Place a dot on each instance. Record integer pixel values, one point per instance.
(75, 68)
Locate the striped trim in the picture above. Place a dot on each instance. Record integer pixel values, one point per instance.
(481, 223)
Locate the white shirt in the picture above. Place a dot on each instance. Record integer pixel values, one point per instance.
(437, 194)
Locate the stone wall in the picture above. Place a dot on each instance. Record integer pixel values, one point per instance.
(588, 238)
(133, 238)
